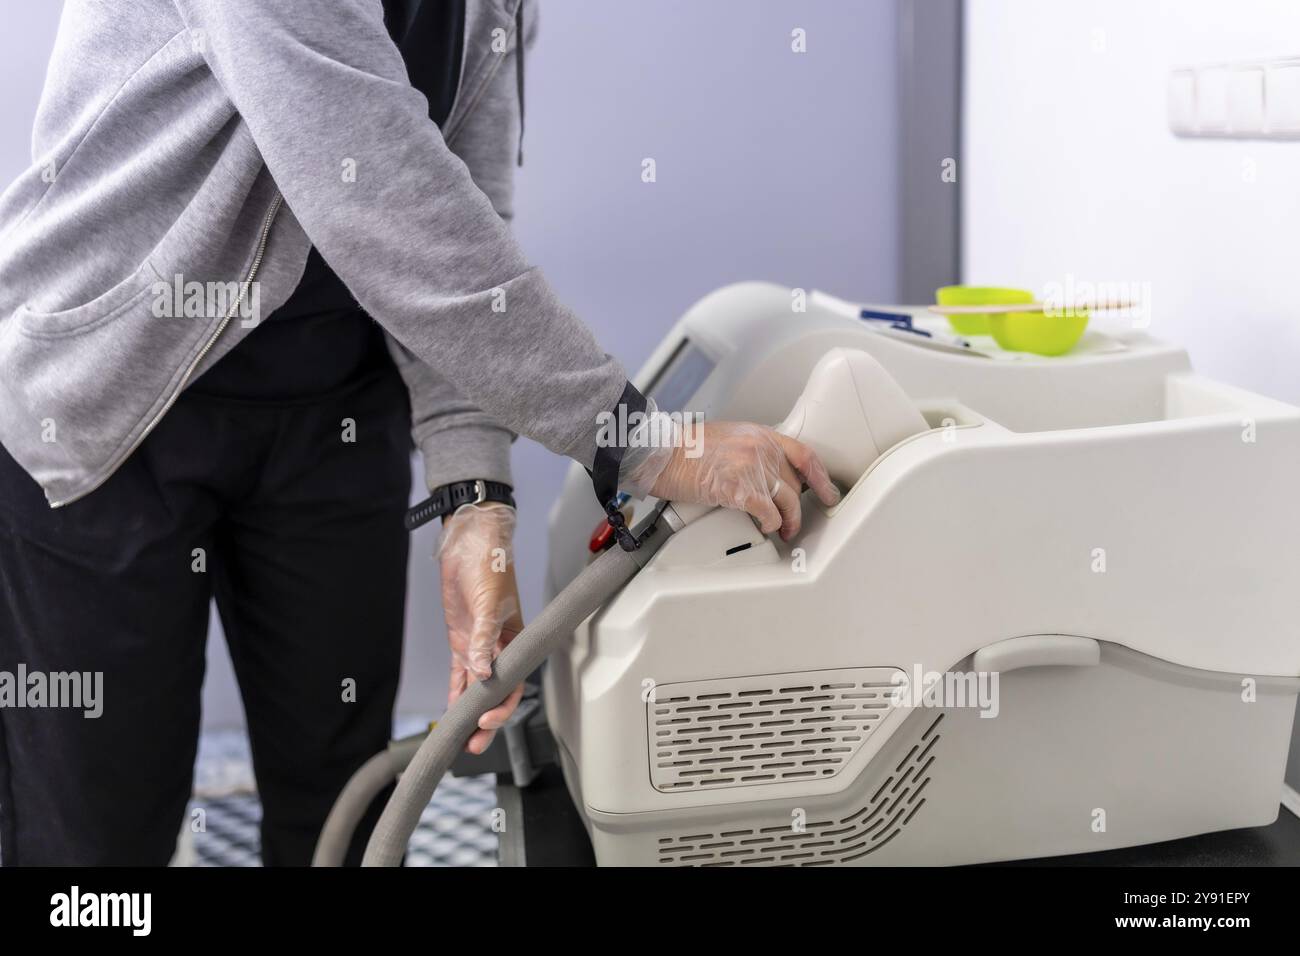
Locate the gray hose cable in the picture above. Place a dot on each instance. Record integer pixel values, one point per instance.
(376, 773)
(597, 583)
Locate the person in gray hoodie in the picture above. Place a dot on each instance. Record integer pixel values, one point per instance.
(262, 246)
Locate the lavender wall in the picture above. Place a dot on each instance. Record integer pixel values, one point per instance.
(25, 46)
(771, 165)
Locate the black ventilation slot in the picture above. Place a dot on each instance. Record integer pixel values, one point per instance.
(739, 548)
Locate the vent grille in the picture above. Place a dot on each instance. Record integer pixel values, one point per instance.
(776, 728)
(892, 806)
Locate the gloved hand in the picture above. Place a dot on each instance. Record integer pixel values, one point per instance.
(480, 600)
(739, 465)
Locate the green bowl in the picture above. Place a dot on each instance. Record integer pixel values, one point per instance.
(1038, 332)
(977, 323)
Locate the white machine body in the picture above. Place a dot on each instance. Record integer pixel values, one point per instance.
(1053, 613)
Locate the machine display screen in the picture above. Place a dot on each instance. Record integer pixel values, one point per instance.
(680, 378)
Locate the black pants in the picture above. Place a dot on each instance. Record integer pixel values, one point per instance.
(297, 534)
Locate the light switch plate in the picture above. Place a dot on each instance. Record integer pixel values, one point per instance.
(1247, 100)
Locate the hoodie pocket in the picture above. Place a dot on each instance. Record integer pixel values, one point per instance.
(82, 318)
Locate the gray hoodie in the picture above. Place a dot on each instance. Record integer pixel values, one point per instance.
(217, 141)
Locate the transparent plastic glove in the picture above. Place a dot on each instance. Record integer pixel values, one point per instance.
(739, 465)
(649, 447)
(480, 600)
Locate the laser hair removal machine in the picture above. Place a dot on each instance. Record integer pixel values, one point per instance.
(1053, 613)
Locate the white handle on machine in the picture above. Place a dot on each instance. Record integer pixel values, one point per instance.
(850, 413)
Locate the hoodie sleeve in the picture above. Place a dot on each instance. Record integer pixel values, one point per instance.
(457, 440)
(324, 93)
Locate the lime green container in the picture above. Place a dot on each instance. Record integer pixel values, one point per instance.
(1039, 332)
(977, 323)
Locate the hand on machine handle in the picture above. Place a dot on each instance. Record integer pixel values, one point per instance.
(480, 600)
(739, 465)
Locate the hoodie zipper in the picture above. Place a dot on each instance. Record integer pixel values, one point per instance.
(253, 268)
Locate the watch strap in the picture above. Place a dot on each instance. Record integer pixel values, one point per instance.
(447, 498)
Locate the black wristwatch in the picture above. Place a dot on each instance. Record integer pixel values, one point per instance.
(447, 498)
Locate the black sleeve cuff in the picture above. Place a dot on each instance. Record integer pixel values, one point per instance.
(609, 451)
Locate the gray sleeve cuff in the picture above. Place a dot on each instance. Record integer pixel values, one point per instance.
(465, 453)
